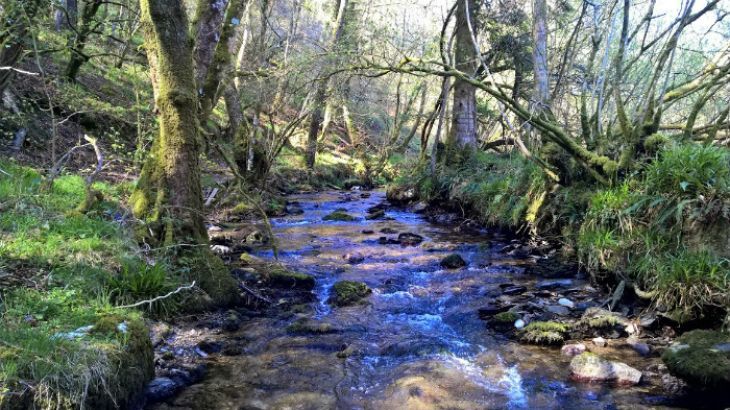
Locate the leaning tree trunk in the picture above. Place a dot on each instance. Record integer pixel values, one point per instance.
(462, 137)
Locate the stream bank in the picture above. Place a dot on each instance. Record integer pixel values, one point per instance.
(429, 335)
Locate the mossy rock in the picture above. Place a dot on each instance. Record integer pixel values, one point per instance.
(339, 215)
(505, 318)
(346, 293)
(280, 277)
(601, 319)
(248, 259)
(453, 261)
(212, 276)
(544, 333)
(701, 357)
(117, 382)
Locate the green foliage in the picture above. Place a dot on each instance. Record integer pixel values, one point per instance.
(139, 281)
(53, 341)
(73, 258)
(658, 228)
(499, 189)
(690, 170)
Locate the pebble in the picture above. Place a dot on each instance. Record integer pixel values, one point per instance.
(600, 342)
(519, 324)
(566, 302)
(574, 349)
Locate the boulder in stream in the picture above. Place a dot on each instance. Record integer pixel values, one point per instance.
(573, 349)
(701, 358)
(347, 292)
(339, 216)
(589, 367)
(283, 278)
(409, 239)
(453, 261)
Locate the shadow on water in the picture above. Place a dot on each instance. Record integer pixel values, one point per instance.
(416, 344)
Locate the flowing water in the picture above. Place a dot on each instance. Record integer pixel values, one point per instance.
(417, 343)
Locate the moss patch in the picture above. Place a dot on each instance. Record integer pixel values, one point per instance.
(701, 357)
(505, 318)
(346, 293)
(284, 278)
(544, 333)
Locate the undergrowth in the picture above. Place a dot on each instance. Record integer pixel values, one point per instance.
(62, 274)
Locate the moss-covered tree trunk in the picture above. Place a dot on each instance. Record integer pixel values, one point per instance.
(169, 195)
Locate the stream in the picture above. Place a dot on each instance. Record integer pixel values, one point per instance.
(417, 342)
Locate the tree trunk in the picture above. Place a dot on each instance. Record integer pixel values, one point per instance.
(462, 137)
(315, 124)
(540, 57)
(320, 98)
(85, 27)
(168, 195)
(207, 24)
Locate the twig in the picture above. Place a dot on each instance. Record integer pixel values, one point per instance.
(17, 70)
(253, 293)
(158, 298)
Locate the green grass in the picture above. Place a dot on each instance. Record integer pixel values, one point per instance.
(666, 230)
(61, 271)
(499, 190)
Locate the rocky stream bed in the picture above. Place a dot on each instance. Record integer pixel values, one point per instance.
(450, 316)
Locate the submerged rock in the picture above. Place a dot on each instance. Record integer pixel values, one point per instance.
(558, 310)
(453, 261)
(231, 322)
(307, 326)
(388, 231)
(354, 258)
(589, 367)
(701, 358)
(553, 284)
(379, 213)
(639, 346)
(346, 293)
(491, 309)
(339, 216)
(514, 290)
(410, 239)
(573, 349)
